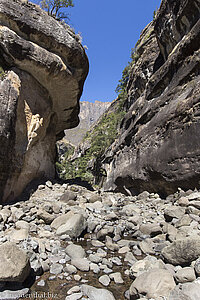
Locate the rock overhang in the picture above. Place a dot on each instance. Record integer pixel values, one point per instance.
(48, 61)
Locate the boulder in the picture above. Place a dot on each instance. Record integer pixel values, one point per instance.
(75, 251)
(151, 229)
(183, 251)
(186, 291)
(185, 275)
(74, 226)
(144, 265)
(61, 220)
(152, 284)
(173, 212)
(45, 69)
(14, 263)
(45, 216)
(67, 196)
(96, 294)
(81, 264)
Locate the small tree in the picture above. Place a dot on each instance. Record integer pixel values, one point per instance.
(54, 7)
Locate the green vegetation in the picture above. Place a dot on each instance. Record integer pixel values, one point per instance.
(155, 13)
(2, 73)
(55, 8)
(121, 87)
(97, 140)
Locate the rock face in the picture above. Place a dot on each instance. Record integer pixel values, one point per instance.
(159, 147)
(89, 114)
(45, 68)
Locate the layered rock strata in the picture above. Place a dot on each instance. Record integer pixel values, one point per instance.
(159, 146)
(45, 69)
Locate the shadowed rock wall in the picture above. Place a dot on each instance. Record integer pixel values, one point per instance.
(159, 146)
(45, 69)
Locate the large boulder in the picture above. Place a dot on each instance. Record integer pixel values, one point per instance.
(14, 263)
(186, 291)
(45, 69)
(73, 227)
(152, 284)
(183, 251)
(158, 148)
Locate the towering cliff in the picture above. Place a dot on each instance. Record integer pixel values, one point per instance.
(43, 69)
(89, 114)
(159, 146)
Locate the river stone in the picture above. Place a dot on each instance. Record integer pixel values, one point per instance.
(96, 294)
(18, 235)
(185, 275)
(94, 268)
(151, 229)
(70, 269)
(94, 198)
(73, 227)
(14, 263)
(177, 294)
(14, 294)
(45, 216)
(197, 266)
(75, 251)
(97, 243)
(191, 290)
(186, 291)
(195, 203)
(61, 220)
(153, 284)
(22, 225)
(67, 196)
(104, 280)
(183, 251)
(75, 296)
(81, 264)
(146, 264)
(56, 269)
(173, 212)
(117, 277)
(95, 258)
(194, 196)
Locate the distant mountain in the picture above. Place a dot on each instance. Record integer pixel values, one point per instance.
(89, 114)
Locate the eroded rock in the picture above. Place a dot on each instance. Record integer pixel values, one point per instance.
(46, 68)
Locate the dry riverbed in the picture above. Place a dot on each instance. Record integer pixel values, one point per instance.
(66, 242)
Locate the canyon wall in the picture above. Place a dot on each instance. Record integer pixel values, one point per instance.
(158, 148)
(43, 69)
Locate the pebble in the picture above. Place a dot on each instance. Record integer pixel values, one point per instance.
(104, 280)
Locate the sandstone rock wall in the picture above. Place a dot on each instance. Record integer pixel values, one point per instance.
(159, 146)
(45, 68)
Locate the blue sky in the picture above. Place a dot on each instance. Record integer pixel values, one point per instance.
(110, 29)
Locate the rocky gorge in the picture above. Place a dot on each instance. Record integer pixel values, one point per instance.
(156, 147)
(136, 233)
